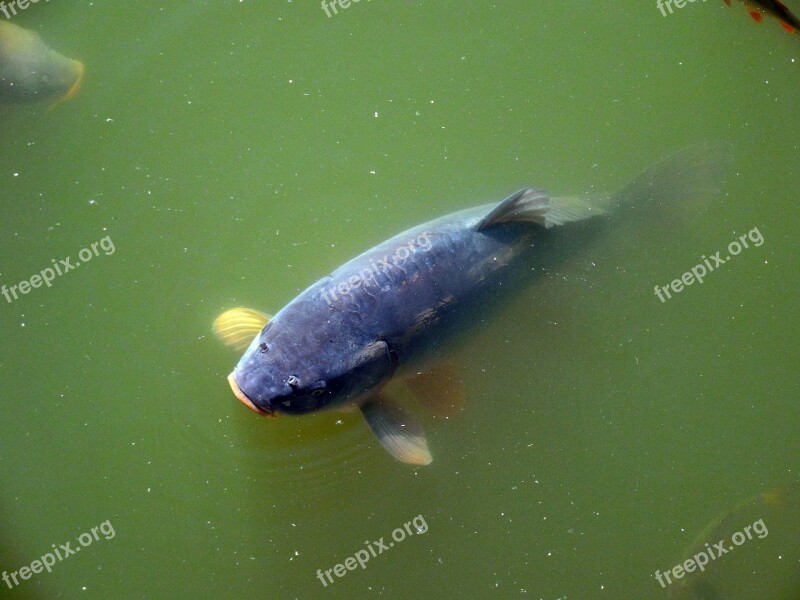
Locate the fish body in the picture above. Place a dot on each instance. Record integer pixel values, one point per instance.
(775, 8)
(376, 315)
(395, 310)
(30, 71)
(389, 313)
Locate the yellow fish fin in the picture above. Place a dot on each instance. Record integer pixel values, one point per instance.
(237, 327)
(397, 431)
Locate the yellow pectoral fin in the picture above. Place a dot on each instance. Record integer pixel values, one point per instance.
(439, 388)
(237, 327)
(397, 431)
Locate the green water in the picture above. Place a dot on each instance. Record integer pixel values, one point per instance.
(234, 152)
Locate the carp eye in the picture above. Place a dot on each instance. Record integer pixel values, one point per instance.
(293, 381)
(318, 392)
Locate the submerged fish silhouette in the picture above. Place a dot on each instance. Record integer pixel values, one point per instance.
(30, 71)
(705, 584)
(393, 311)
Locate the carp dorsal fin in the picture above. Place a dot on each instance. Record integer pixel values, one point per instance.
(531, 202)
(396, 430)
(440, 388)
(237, 327)
(535, 206)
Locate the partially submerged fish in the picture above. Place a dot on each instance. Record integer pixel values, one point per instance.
(31, 72)
(392, 312)
(706, 582)
(776, 8)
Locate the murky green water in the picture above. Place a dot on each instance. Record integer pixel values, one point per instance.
(234, 152)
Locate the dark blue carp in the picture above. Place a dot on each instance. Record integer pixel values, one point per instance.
(32, 72)
(392, 312)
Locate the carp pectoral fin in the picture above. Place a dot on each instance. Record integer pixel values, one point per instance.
(397, 431)
(440, 388)
(237, 327)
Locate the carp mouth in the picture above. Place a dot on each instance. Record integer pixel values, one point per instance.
(237, 391)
